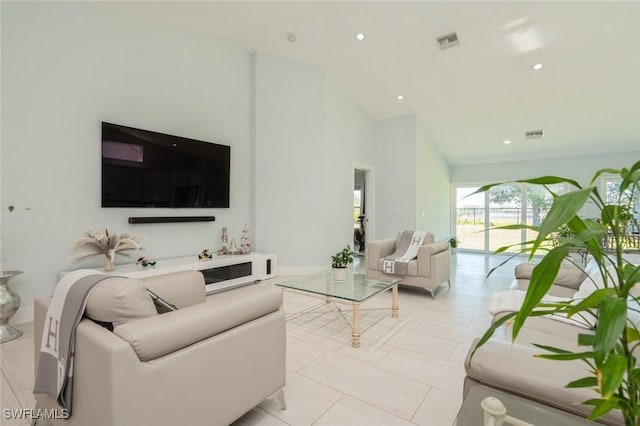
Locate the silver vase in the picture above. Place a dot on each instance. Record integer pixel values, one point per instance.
(9, 304)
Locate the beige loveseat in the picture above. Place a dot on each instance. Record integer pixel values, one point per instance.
(512, 368)
(429, 270)
(207, 363)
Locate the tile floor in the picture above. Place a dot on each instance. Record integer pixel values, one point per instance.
(408, 371)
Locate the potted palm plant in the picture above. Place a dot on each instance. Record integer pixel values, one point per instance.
(614, 373)
(339, 263)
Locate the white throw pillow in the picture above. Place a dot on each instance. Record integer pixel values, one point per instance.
(595, 281)
(119, 300)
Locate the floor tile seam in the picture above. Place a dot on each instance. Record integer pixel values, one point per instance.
(405, 376)
(353, 396)
(427, 358)
(456, 394)
(438, 338)
(319, 326)
(13, 392)
(380, 408)
(342, 395)
(324, 385)
(306, 345)
(275, 417)
(393, 348)
(415, 413)
(365, 360)
(328, 350)
(442, 338)
(454, 351)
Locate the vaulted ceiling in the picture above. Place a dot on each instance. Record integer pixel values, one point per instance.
(471, 97)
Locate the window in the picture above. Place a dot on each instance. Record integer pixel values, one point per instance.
(610, 187)
(477, 215)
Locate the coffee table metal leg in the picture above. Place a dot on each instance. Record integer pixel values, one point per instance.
(355, 334)
(394, 301)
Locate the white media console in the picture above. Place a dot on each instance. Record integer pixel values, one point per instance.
(220, 273)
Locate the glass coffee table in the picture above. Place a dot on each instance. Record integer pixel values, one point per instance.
(354, 290)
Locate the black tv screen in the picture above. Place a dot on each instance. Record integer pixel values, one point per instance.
(141, 168)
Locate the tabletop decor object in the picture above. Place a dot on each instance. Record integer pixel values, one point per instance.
(100, 242)
(9, 305)
(340, 261)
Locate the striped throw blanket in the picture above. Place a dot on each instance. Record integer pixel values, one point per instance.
(55, 368)
(407, 250)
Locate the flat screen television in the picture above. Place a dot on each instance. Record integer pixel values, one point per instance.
(141, 168)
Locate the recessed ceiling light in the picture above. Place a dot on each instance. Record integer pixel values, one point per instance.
(360, 36)
(537, 67)
(399, 97)
(506, 142)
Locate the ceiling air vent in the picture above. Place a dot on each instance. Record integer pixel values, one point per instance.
(534, 134)
(448, 40)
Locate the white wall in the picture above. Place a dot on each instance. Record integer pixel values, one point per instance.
(395, 186)
(349, 140)
(289, 145)
(579, 168)
(308, 132)
(412, 180)
(65, 68)
(433, 187)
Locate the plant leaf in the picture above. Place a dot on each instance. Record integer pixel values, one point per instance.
(585, 339)
(602, 407)
(612, 373)
(541, 280)
(632, 178)
(550, 180)
(600, 172)
(563, 209)
(585, 382)
(566, 357)
(552, 349)
(631, 276)
(592, 300)
(612, 322)
(492, 328)
(633, 334)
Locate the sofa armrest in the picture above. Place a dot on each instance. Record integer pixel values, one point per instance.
(157, 336)
(378, 249)
(569, 275)
(426, 252)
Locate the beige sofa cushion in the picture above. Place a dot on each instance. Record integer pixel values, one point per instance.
(152, 338)
(119, 300)
(182, 289)
(515, 369)
(569, 275)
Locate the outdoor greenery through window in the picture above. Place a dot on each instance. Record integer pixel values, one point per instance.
(357, 207)
(613, 196)
(509, 204)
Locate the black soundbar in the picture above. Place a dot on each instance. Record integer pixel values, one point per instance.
(172, 219)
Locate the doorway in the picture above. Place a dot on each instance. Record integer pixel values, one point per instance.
(361, 208)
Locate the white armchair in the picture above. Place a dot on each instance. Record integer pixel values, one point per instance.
(429, 270)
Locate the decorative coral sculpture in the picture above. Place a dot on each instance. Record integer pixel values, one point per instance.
(100, 242)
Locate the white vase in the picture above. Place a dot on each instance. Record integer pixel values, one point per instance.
(339, 274)
(9, 305)
(108, 264)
